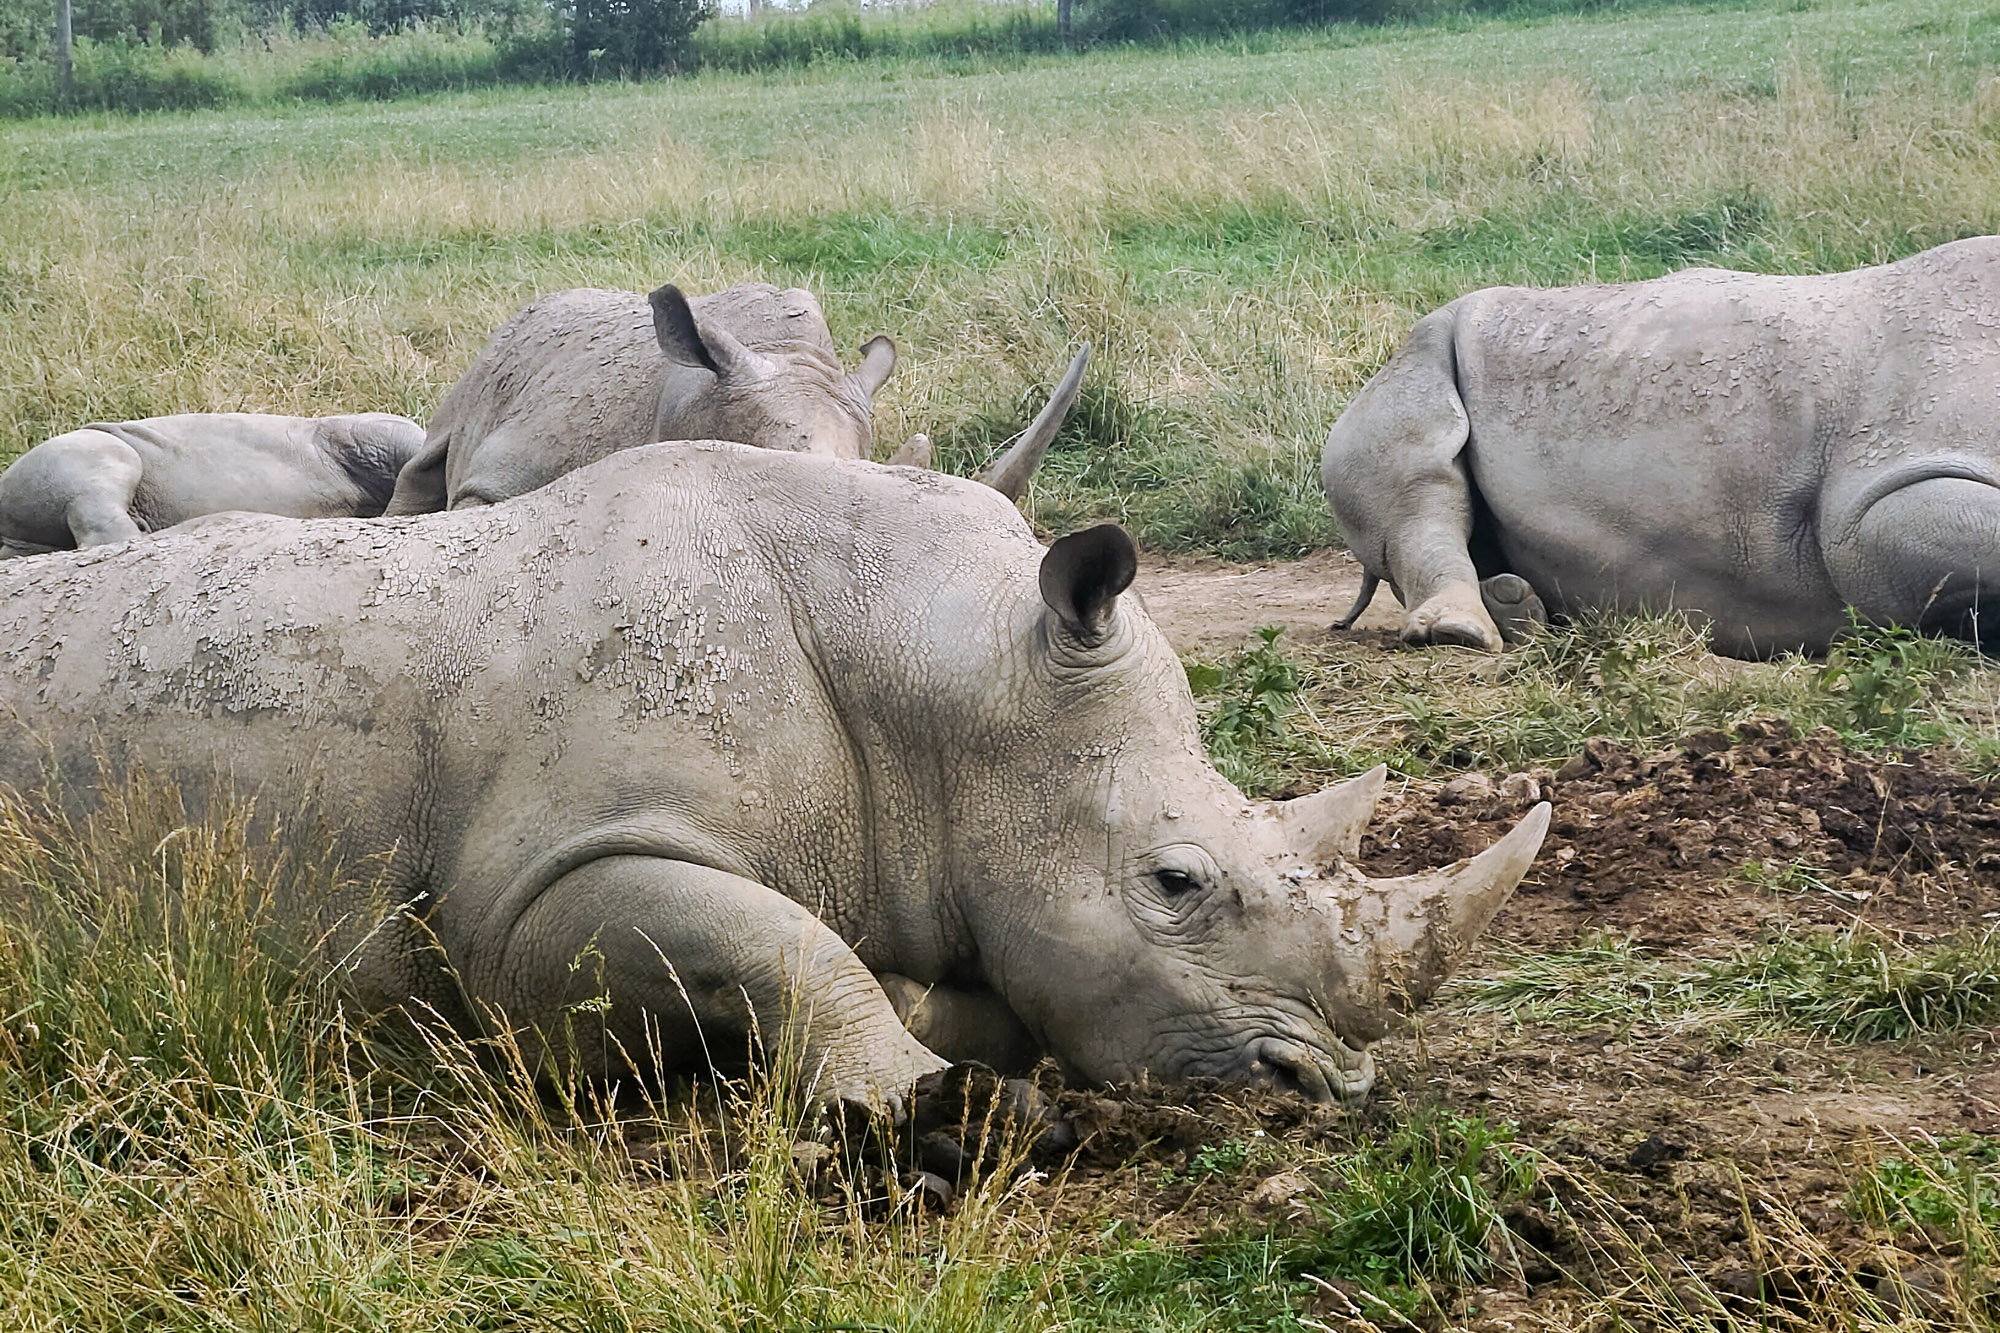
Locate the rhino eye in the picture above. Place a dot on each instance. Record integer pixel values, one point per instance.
(1175, 883)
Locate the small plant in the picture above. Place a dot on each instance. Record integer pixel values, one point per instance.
(1884, 676)
(1248, 702)
(1947, 1188)
(1787, 876)
(1208, 1161)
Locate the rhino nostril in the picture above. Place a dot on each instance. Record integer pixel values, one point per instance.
(1291, 1068)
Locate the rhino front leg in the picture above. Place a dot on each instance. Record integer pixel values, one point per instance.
(1927, 555)
(629, 957)
(1394, 471)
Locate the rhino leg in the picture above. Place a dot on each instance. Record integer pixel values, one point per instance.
(76, 489)
(631, 957)
(1516, 610)
(1928, 555)
(963, 1025)
(1394, 471)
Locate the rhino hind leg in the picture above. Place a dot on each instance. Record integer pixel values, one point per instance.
(1926, 555)
(631, 960)
(1516, 611)
(1393, 469)
(74, 490)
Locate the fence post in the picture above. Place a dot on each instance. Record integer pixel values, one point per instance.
(65, 59)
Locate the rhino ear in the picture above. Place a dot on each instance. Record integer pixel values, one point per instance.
(674, 326)
(686, 343)
(1082, 575)
(878, 359)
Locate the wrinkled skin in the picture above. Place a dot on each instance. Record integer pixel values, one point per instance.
(1763, 452)
(111, 481)
(709, 730)
(581, 374)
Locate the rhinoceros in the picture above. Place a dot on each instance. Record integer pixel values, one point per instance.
(1762, 452)
(111, 481)
(703, 733)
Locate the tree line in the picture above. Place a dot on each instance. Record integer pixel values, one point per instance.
(608, 36)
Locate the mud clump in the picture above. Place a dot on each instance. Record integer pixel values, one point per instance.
(1682, 844)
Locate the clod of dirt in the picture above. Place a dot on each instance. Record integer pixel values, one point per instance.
(1656, 1150)
(1700, 842)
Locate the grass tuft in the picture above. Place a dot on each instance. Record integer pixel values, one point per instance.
(1846, 987)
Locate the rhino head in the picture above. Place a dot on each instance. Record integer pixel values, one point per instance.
(806, 404)
(1155, 920)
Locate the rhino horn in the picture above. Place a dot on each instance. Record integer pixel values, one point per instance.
(878, 359)
(1329, 824)
(712, 349)
(1009, 473)
(1419, 927)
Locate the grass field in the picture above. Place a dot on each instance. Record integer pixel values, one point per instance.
(1739, 1077)
(1241, 236)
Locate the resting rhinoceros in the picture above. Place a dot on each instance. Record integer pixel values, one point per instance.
(111, 481)
(701, 725)
(1764, 452)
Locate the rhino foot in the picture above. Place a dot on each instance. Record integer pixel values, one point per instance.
(1514, 607)
(968, 1118)
(1455, 614)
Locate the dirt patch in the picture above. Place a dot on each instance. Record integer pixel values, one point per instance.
(1207, 607)
(1681, 847)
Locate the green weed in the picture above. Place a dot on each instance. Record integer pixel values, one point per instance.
(1938, 1184)
(1787, 876)
(1883, 677)
(1843, 987)
(1246, 704)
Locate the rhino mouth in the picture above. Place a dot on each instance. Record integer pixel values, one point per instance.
(1342, 1074)
(1322, 1067)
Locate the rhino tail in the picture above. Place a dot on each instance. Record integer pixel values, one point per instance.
(420, 486)
(1369, 583)
(1009, 473)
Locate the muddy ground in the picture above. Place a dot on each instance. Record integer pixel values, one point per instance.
(1697, 1133)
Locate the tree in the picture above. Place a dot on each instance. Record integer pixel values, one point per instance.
(632, 36)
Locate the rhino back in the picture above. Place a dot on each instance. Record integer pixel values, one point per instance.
(707, 652)
(211, 462)
(1686, 439)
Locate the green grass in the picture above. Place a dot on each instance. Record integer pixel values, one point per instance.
(1278, 716)
(1404, 1221)
(1301, 199)
(1848, 987)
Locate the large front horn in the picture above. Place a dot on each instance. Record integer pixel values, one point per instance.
(1009, 473)
(1401, 937)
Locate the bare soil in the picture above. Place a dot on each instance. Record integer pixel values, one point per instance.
(1208, 607)
(1691, 1132)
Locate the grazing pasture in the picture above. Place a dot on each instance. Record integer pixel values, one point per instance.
(1728, 1059)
